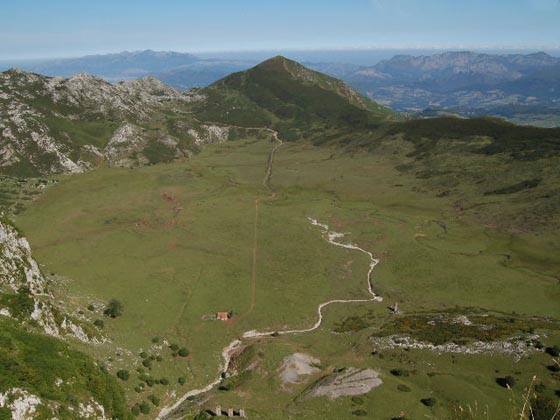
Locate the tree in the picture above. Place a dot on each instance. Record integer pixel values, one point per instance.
(114, 309)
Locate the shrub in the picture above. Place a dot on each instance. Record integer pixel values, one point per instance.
(154, 400)
(359, 413)
(114, 309)
(123, 375)
(91, 308)
(554, 351)
(159, 358)
(145, 408)
(147, 363)
(143, 355)
(543, 408)
(21, 304)
(135, 410)
(156, 340)
(428, 402)
(99, 323)
(181, 380)
(400, 372)
(203, 415)
(150, 382)
(540, 388)
(174, 347)
(403, 388)
(164, 381)
(184, 352)
(506, 382)
(358, 400)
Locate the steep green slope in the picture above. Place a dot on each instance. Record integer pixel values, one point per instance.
(296, 101)
(51, 380)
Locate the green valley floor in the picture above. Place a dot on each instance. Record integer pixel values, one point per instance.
(176, 243)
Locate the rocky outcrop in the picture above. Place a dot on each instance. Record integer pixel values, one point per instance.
(55, 125)
(344, 382)
(24, 405)
(296, 368)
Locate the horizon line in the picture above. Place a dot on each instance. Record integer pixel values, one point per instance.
(452, 48)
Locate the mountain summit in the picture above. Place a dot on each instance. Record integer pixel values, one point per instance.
(287, 96)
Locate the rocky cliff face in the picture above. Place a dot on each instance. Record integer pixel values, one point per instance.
(24, 294)
(55, 125)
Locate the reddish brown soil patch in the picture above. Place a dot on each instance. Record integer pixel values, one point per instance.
(168, 197)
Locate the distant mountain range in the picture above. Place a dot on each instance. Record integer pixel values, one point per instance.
(459, 79)
(524, 88)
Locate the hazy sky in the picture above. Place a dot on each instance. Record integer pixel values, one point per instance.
(39, 28)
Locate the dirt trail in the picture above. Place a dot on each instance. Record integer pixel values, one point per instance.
(266, 183)
(333, 238)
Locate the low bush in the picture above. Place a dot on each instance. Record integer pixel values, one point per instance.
(428, 402)
(114, 309)
(123, 375)
(154, 400)
(506, 382)
(400, 372)
(144, 408)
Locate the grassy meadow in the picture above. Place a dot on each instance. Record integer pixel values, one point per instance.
(175, 243)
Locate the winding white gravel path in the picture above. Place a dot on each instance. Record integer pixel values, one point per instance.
(331, 237)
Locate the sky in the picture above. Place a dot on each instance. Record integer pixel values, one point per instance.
(65, 28)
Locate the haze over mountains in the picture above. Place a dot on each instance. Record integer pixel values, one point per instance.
(429, 196)
(524, 88)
